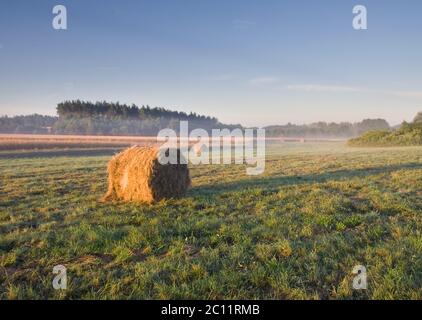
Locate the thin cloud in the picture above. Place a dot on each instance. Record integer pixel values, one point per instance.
(108, 68)
(323, 88)
(346, 89)
(408, 94)
(223, 77)
(263, 81)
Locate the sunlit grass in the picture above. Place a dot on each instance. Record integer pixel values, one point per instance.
(295, 232)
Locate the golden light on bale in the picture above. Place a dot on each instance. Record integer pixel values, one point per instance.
(137, 175)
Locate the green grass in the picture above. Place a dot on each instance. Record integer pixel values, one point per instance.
(295, 232)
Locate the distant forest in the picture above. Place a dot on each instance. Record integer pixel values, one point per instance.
(327, 130)
(34, 124)
(104, 118)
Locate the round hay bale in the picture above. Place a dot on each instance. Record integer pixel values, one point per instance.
(136, 175)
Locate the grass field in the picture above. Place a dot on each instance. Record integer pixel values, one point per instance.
(295, 232)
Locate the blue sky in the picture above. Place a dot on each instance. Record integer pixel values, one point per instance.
(255, 62)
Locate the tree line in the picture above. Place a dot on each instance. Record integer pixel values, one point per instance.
(33, 124)
(327, 130)
(105, 118)
(110, 110)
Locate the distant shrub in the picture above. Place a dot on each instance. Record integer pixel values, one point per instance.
(409, 134)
